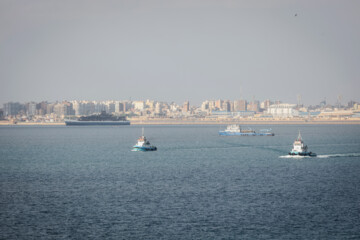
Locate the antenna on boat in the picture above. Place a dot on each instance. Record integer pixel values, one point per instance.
(142, 132)
(299, 136)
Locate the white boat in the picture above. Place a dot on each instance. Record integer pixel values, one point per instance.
(299, 149)
(236, 130)
(143, 145)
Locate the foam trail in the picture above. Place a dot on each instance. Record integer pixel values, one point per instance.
(324, 156)
(293, 156)
(339, 155)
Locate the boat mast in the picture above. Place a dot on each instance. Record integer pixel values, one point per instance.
(299, 136)
(142, 131)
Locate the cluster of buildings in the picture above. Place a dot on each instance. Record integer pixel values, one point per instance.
(209, 109)
(277, 110)
(58, 111)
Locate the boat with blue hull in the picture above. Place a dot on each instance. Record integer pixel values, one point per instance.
(143, 145)
(299, 149)
(236, 130)
(98, 119)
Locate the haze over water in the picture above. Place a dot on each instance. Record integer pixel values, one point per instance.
(179, 50)
(85, 183)
(59, 182)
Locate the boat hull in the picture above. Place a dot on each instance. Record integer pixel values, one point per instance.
(143, 149)
(223, 133)
(90, 123)
(303, 154)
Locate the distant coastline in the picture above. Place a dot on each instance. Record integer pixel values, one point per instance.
(202, 122)
(241, 122)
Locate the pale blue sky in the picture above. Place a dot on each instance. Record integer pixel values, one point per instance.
(179, 50)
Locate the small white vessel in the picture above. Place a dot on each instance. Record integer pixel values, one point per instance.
(299, 149)
(143, 145)
(236, 130)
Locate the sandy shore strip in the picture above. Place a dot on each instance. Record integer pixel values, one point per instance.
(6, 123)
(201, 122)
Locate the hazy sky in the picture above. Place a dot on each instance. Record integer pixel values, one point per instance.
(179, 50)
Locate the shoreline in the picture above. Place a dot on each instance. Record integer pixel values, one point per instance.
(254, 122)
(197, 122)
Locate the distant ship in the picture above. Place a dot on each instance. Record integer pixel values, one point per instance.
(143, 145)
(299, 149)
(98, 119)
(235, 130)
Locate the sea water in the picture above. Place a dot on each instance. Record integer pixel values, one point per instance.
(85, 183)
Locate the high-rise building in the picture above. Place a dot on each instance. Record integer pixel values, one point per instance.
(100, 106)
(117, 107)
(205, 106)
(226, 106)
(63, 109)
(240, 105)
(50, 108)
(89, 108)
(158, 108)
(265, 104)
(211, 105)
(41, 108)
(254, 106)
(59, 109)
(174, 107)
(186, 106)
(111, 107)
(69, 108)
(139, 105)
(30, 109)
(77, 106)
(13, 108)
(218, 104)
(125, 106)
(150, 104)
(231, 106)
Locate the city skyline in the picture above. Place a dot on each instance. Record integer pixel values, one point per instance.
(340, 99)
(336, 101)
(217, 101)
(85, 107)
(179, 50)
(210, 110)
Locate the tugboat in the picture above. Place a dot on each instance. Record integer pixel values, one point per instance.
(143, 145)
(299, 149)
(236, 130)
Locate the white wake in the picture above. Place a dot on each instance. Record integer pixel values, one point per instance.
(324, 156)
(339, 155)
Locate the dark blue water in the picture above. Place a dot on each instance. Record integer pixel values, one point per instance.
(85, 183)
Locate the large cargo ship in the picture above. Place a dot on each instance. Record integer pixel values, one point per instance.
(98, 119)
(235, 130)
